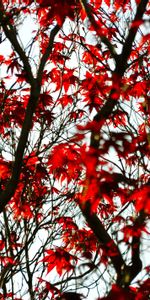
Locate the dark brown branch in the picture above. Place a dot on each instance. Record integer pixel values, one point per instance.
(121, 65)
(35, 83)
(6, 195)
(121, 62)
(96, 27)
(136, 266)
(10, 33)
(123, 271)
(45, 56)
(104, 238)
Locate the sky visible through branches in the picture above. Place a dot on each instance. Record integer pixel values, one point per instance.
(74, 149)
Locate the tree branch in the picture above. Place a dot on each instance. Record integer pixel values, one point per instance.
(6, 194)
(103, 237)
(103, 114)
(35, 83)
(121, 60)
(104, 39)
(10, 33)
(136, 266)
(48, 50)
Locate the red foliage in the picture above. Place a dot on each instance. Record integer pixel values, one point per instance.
(60, 259)
(74, 148)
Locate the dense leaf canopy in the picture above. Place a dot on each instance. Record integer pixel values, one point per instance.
(74, 149)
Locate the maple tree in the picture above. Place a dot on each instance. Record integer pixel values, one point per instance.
(74, 156)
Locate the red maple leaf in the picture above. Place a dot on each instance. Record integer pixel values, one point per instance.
(60, 259)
